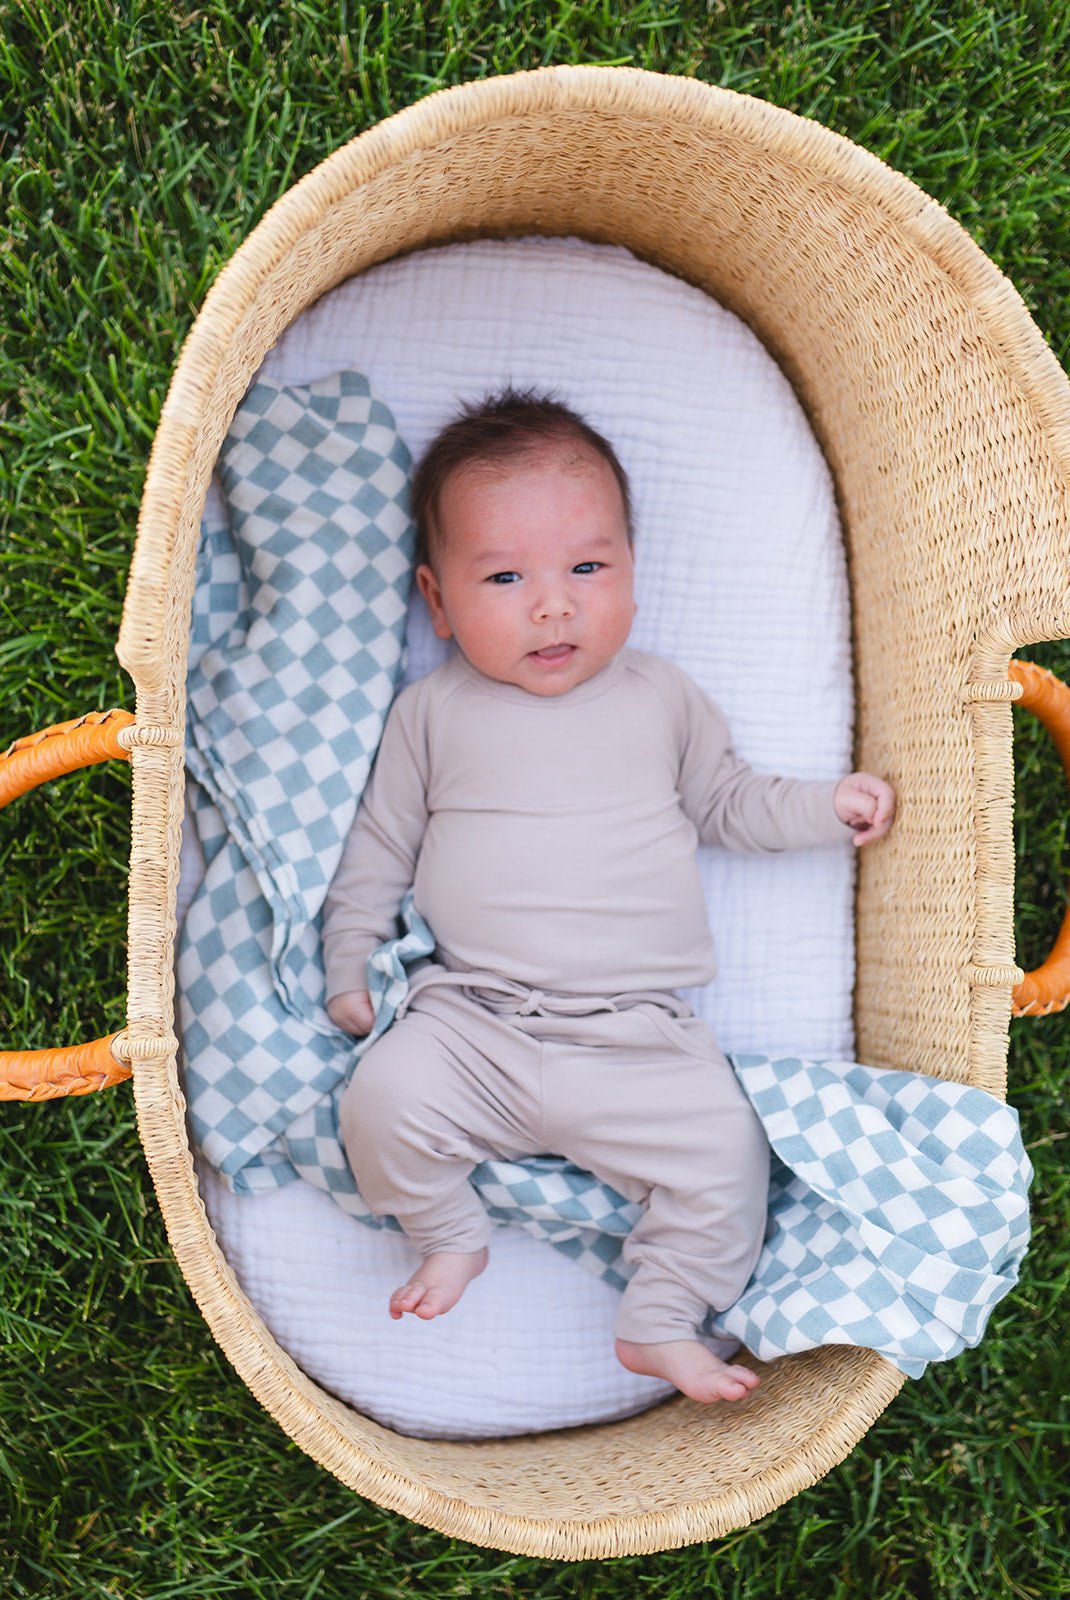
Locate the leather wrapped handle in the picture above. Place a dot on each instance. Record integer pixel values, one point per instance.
(1047, 988)
(63, 748)
(82, 742)
(51, 1074)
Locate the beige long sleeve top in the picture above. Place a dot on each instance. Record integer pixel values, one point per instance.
(553, 840)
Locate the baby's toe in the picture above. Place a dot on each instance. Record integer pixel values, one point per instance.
(735, 1382)
(407, 1298)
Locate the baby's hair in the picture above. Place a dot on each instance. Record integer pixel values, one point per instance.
(503, 426)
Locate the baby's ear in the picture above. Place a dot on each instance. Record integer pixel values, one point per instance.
(427, 584)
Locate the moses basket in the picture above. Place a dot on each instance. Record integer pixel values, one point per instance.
(945, 422)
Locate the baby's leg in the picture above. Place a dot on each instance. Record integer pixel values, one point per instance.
(416, 1117)
(664, 1119)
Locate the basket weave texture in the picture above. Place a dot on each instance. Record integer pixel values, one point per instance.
(946, 424)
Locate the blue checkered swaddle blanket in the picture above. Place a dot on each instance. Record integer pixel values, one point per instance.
(898, 1213)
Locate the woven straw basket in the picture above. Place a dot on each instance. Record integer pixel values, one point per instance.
(946, 424)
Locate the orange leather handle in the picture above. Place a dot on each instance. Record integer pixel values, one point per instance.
(50, 1074)
(76, 1069)
(1046, 989)
(62, 748)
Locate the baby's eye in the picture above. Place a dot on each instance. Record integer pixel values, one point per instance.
(504, 577)
(589, 566)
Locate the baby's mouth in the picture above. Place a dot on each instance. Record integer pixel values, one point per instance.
(553, 653)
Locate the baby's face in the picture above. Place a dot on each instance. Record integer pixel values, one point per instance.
(533, 572)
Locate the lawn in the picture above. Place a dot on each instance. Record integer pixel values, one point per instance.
(139, 143)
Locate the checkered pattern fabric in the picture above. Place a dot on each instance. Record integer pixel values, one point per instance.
(298, 623)
(898, 1212)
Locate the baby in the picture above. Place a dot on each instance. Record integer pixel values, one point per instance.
(543, 794)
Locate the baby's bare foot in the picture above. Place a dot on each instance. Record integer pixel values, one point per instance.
(438, 1283)
(687, 1364)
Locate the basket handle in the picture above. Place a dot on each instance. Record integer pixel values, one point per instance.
(82, 742)
(1047, 988)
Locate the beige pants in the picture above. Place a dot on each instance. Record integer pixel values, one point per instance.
(637, 1093)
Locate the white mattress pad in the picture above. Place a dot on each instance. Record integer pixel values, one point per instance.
(740, 579)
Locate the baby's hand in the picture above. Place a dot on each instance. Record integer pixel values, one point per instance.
(865, 803)
(352, 1011)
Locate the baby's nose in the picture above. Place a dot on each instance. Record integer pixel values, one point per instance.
(554, 600)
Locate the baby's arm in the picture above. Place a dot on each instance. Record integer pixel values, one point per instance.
(740, 809)
(378, 862)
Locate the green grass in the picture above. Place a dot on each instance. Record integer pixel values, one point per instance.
(139, 142)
